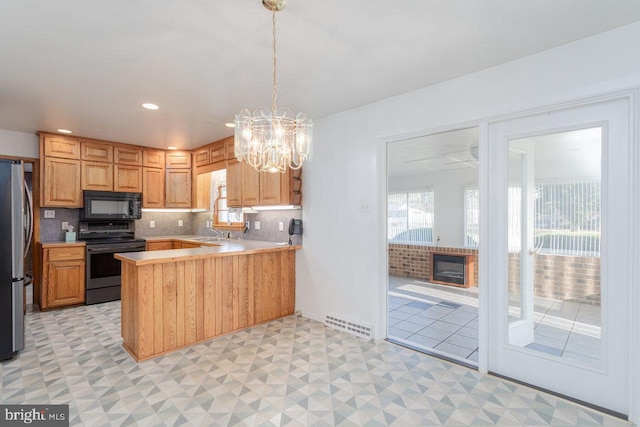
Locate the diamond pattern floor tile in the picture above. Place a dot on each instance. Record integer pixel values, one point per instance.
(290, 372)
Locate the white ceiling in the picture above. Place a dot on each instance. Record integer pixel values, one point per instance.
(561, 155)
(442, 152)
(87, 65)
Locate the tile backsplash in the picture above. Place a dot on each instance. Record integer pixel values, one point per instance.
(51, 228)
(166, 224)
(269, 226)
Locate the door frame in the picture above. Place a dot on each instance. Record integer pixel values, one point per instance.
(633, 95)
(383, 271)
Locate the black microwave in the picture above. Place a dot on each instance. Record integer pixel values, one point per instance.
(111, 205)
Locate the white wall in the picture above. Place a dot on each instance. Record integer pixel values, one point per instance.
(448, 188)
(18, 144)
(339, 268)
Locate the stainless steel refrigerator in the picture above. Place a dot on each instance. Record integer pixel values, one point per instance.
(13, 218)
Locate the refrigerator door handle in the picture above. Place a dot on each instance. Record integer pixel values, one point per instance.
(17, 218)
(29, 219)
(17, 309)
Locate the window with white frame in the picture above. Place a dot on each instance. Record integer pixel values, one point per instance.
(410, 217)
(566, 217)
(471, 216)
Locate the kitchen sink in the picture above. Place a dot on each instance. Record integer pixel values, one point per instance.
(208, 239)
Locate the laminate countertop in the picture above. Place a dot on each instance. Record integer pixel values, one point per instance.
(211, 248)
(62, 243)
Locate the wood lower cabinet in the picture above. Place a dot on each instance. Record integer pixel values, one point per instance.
(61, 183)
(178, 188)
(63, 276)
(171, 303)
(127, 178)
(97, 176)
(153, 188)
(160, 245)
(185, 245)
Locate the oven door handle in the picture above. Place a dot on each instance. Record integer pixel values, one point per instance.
(116, 250)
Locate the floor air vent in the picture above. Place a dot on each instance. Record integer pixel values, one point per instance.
(357, 329)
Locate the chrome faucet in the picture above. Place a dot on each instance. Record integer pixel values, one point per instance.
(217, 233)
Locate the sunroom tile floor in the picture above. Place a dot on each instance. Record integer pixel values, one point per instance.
(445, 319)
(289, 372)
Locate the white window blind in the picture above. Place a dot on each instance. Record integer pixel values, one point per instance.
(566, 217)
(410, 217)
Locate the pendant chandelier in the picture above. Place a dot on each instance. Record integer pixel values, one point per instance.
(276, 139)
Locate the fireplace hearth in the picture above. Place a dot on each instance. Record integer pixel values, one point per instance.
(452, 269)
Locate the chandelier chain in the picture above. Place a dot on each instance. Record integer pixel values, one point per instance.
(273, 96)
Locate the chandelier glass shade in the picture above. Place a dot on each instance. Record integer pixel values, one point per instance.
(272, 140)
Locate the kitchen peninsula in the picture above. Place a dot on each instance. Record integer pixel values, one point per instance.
(178, 297)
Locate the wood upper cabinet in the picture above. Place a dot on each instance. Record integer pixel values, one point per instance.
(178, 160)
(274, 188)
(61, 183)
(250, 185)
(234, 184)
(153, 158)
(127, 178)
(153, 181)
(96, 151)
(63, 279)
(201, 157)
(217, 152)
(69, 165)
(97, 176)
(128, 155)
(203, 191)
(178, 188)
(229, 147)
(61, 146)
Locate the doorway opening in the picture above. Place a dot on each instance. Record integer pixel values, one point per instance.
(432, 241)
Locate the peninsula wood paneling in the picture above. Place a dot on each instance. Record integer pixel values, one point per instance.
(174, 304)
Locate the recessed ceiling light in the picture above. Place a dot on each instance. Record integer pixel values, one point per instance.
(172, 148)
(230, 125)
(150, 106)
(64, 131)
